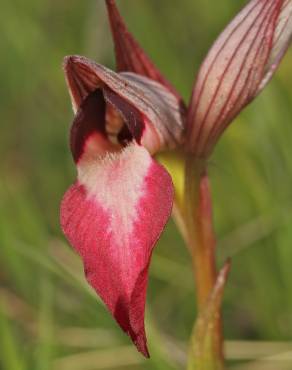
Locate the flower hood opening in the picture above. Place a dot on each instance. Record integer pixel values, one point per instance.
(137, 107)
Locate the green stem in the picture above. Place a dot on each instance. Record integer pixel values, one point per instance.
(201, 243)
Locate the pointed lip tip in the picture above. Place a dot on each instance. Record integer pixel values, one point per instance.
(146, 355)
(141, 345)
(144, 351)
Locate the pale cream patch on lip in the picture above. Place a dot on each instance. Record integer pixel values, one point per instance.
(116, 182)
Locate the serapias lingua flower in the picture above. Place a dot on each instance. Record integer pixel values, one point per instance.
(117, 209)
(115, 212)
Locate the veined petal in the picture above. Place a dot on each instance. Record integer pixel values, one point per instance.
(281, 41)
(113, 217)
(154, 116)
(130, 57)
(237, 67)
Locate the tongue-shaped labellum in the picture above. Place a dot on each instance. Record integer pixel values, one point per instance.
(113, 217)
(115, 212)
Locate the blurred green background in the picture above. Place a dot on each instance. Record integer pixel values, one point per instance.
(49, 318)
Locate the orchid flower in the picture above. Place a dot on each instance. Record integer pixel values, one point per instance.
(117, 209)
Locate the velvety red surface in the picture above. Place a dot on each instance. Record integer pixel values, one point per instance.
(118, 271)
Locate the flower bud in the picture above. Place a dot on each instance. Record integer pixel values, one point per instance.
(238, 66)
